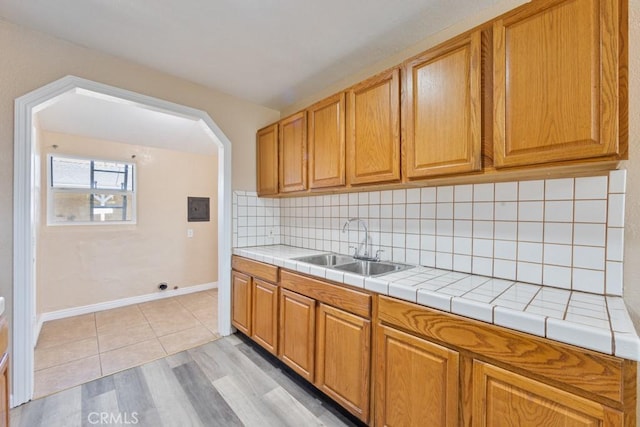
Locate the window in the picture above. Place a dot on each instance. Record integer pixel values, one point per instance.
(90, 191)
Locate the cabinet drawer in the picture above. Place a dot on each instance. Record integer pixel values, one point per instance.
(347, 299)
(255, 268)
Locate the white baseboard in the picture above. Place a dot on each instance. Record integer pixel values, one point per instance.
(92, 308)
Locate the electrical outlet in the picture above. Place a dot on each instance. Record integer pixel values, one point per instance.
(190, 232)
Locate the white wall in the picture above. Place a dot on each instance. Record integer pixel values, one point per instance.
(88, 264)
(30, 60)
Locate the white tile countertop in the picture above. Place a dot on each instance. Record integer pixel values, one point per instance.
(592, 321)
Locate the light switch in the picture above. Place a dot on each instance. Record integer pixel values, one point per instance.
(189, 232)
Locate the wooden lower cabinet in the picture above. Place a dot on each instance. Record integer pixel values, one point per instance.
(504, 398)
(343, 358)
(241, 302)
(416, 381)
(4, 373)
(439, 369)
(264, 320)
(297, 333)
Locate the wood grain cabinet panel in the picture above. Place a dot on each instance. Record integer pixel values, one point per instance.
(441, 110)
(267, 160)
(504, 398)
(327, 146)
(556, 82)
(416, 381)
(293, 153)
(241, 302)
(342, 360)
(298, 333)
(373, 130)
(265, 315)
(4, 372)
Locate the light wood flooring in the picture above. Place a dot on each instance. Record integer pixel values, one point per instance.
(78, 349)
(228, 382)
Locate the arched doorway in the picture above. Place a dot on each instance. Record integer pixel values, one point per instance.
(24, 317)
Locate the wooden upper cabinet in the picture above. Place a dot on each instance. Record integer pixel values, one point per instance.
(504, 398)
(556, 82)
(267, 160)
(373, 130)
(293, 153)
(327, 142)
(441, 110)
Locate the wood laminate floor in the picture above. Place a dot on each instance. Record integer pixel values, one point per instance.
(228, 382)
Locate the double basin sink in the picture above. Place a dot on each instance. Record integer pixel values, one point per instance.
(352, 265)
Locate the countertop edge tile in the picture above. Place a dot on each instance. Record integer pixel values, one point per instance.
(519, 320)
(434, 300)
(626, 345)
(580, 335)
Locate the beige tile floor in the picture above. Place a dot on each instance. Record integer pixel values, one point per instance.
(79, 349)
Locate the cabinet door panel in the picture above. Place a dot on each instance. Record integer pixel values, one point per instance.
(441, 110)
(327, 142)
(416, 381)
(373, 132)
(293, 153)
(4, 390)
(342, 361)
(297, 333)
(241, 302)
(265, 315)
(267, 160)
(503, 398)
(555, 83)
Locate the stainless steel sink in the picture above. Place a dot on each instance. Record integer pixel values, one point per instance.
(372, 268)
(326, 260)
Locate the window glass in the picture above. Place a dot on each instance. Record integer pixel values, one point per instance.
(84, 191)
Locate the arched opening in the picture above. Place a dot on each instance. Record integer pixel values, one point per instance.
(25, 208)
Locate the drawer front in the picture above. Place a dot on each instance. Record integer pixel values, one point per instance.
(347, 299)
(255, 268)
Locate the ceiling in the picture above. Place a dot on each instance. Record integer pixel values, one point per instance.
(101, 117)
(271, 52)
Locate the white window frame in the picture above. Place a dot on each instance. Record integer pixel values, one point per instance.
(131, 194)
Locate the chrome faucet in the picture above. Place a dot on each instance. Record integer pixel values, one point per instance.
(365, 255)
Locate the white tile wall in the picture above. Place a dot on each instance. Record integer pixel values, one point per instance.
(566, 233)
(256, 221)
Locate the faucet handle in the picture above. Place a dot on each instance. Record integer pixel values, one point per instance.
(355, 250)
(378, 252)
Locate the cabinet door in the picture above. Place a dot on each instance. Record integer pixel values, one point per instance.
(441, 110)
(293, 153)
(265, 315)
(4, 391)
(416, 381)
(267, 160)
(555, 82)
(342, 360)
(297, 333)
(503, 398)
(241, 302)
(373, 130)
(327, 142)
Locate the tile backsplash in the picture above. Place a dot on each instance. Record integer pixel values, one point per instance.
(566, 233)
